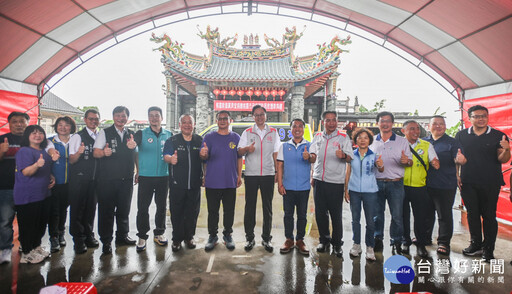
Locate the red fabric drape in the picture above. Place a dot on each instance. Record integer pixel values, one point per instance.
(12, 101)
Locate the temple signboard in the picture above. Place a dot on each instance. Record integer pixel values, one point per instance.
(270, 106)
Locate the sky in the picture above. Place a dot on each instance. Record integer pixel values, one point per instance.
(130, 73)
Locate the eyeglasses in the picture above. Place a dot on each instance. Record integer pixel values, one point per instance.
(479, 116)
(93, 119)
(259, 115)
(223, 118)
(385, 121)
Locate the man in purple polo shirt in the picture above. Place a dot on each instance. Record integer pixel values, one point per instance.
(223, 174)
(396, 155)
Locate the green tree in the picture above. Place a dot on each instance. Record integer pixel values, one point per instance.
(376, 107)
(452, 131)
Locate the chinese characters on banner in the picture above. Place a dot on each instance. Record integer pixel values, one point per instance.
(270, 106)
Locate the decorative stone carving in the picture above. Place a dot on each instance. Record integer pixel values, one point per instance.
(297, 102)
(202, 107)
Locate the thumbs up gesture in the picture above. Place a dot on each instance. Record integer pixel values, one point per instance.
(404, 160)
(131, 144)
(339, 153)
(204, 151)
(55, 155)
(379, 162)
(4, 146)
(435, 163)
(174, 158)
(305, 154)
(81, 149)
(107, 150)
(504, 143)
(40, 162)
(460, 158)
(251, 148)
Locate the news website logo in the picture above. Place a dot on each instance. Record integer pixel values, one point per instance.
(398, 270)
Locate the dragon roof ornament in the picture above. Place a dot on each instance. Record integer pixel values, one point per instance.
(332, 50)
(290, 38)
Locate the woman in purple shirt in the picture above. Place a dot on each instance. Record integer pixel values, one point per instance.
(33, 179)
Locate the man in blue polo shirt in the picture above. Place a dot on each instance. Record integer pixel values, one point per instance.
(293, 174)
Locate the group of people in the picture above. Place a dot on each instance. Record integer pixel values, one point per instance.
(40, 177)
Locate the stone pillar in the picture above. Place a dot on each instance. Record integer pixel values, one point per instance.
(297, 102)
(202, 109)
(170, 116)
(331, 104)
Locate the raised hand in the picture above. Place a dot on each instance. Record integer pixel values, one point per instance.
(504, 143)
(251, 148)
(55, 155)
(204, 151)
(404, 160)
(40, 162)
(339, 153)
(4, 147)
(460, 158)
(81, 149)
(174, 158)
(131, 144)
(435, 163)
(305, 154)
(379, 162)
(107, 150)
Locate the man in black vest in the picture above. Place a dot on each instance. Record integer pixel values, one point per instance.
(114, 147)
(82, 183)
(181, 151)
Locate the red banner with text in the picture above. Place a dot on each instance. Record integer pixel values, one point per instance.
(270, 106)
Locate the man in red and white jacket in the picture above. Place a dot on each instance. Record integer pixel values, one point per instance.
(261, 144)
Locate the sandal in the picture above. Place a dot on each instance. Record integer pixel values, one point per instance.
(443, 249)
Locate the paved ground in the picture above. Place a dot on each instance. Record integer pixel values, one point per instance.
(159, 270)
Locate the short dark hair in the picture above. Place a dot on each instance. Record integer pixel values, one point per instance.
(29, 130)
(408, 122)
(385, 113)
(68, 120)
(299, 120)
(155, 108)
(437, 116)
(91, 110)
(119, 109)
(256, 107)
(325, 113)
(221, 112)
(17, 113)
(359, 131)
(477, 107)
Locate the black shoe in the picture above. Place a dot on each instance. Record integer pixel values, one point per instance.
(268, 246)
(421, 251)
(397, 249)
(125, 241)
(405, 249)
(379, 245)
(54, 244)
(228, 241)
(62, 240)
(337, 251)
(176, 246)
(191, 244)
(91, 242)
(473, 250)
(249, 245)
(487, 255)
(322, 247)
(107, 249)
(80, 248)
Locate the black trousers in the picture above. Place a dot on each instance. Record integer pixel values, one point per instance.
(82, 208)
(213, 200)
(443, 203)
(114, 200)
(481, 202)
(185, 205)
(422, 210)
(147, 187)
(59, 210)
(266, 186)
(32, 221)
(329, 202)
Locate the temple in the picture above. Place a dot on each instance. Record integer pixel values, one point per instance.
(236, 79)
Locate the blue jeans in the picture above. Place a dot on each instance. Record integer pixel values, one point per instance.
(291, 200)
(393, 192)
(6, 218)
(369, 201)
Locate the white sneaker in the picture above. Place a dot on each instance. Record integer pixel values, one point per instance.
(161, 240)
(31, 257)
(355, 250)
(141, 245)
(5, 256)
(42, 251)
(370, 255)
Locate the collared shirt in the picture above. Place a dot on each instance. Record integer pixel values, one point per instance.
(328, 167)
(391, 151)
(76, 140)
(244, 141)
(446, 176)
(101, 139)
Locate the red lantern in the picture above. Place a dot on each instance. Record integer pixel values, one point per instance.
(240, 93)
(257, 93)
(266, 93)
(249, 93)
(274, 93)
(281, 93)
(232, 92)
(216, 92)
(224, 92)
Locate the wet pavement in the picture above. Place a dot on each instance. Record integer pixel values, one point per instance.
(159, 270)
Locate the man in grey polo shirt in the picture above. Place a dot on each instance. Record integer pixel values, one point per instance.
(396, 156)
